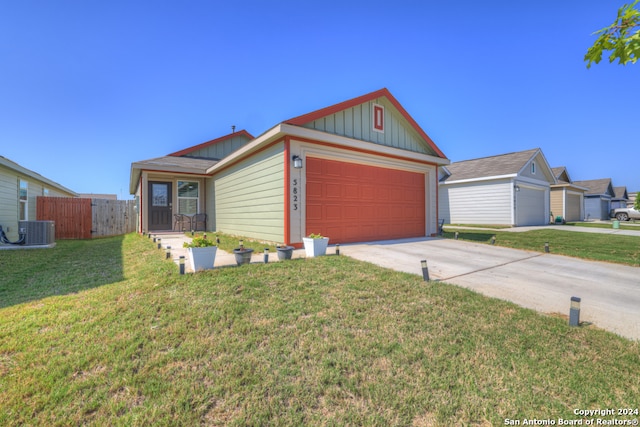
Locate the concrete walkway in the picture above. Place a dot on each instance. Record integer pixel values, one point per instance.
(223, 259)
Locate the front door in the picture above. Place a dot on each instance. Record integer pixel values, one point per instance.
(160, 205)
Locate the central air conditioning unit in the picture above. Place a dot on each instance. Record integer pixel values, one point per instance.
(38, 232)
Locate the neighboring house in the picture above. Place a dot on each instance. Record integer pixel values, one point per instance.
(509, 189)
(98, 196)
(632, 199)
(360, 170)
(19, 188)
(567, 198)
(620, 198)
(597, 198)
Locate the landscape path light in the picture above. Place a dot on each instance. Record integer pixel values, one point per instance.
(425, 270)
(574, 312)
(181, 263)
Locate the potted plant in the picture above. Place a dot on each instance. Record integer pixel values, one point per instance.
(315, 245)
(284, 252)
(243, 255)
(202, 253)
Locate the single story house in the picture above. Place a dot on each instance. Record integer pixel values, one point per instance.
(567, 198)
(360, 170)
(19, 188)
(508, 189)
(597, 198)
(620, 198)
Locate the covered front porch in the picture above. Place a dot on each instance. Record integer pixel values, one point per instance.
(171, 194)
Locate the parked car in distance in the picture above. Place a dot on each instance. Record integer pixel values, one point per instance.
(625, 214)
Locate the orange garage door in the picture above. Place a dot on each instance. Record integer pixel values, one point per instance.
(348, 202)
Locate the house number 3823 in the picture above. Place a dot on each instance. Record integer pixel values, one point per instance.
(295, 194)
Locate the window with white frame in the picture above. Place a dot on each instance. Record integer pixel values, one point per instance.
(188, 197)
(23, 201)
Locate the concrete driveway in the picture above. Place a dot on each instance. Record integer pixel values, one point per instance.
(544, 282)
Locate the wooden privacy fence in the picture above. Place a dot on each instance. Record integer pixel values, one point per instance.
(86, 218)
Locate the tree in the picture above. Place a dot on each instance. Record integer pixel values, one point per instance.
(622, 38)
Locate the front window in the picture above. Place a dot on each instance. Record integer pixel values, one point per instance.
(23, 201)
(188, 197)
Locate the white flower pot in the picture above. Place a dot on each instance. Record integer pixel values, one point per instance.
(202, 258)
(315, 247)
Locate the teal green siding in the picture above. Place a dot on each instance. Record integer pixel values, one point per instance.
(356, 122)
(221, 149)
(249, 196)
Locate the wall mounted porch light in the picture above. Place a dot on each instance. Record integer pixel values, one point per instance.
(297, 162)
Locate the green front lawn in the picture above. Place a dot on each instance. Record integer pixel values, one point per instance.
(106, 332)
(591, 246)
(630, 225)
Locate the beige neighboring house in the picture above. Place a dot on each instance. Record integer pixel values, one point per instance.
(19, 188)
(98, 196)
(632, 199)
(359, 170)
(567, 198)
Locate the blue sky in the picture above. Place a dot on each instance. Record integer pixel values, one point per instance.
(88, 87)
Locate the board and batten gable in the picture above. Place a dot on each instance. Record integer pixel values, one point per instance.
(477, 203)
(222, 148)
(249, 196)
(356, 122)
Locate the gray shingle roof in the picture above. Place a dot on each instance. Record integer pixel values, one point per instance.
(16, 167)
(560, 173)
(597, 186)
(504, 164)
(620, 193)
(193, 164)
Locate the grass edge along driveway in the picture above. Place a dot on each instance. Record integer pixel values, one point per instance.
(323, 341)
(617, 249)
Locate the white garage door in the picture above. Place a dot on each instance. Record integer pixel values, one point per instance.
(530, 207)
